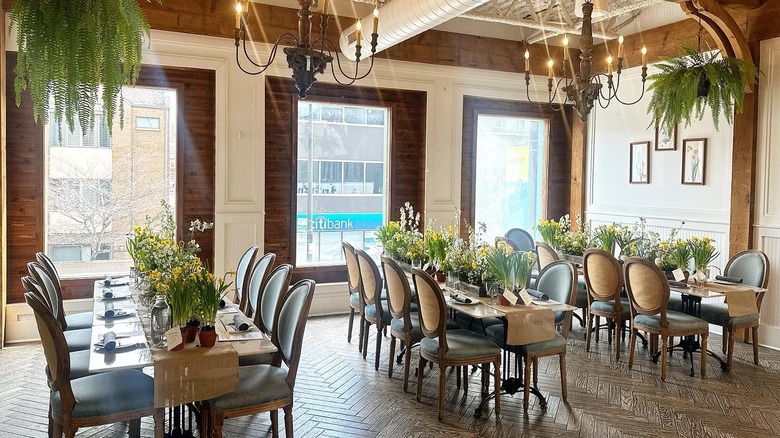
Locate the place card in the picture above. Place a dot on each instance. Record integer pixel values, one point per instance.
(510, 296)
(173, 336)
(525, 297)
(678, 275)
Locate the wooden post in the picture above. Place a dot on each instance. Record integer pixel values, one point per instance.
(579, 134)
(743, 170)
(3, 180)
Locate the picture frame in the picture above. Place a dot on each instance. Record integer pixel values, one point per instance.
(694, 161)
(664, 141)
(639, 163)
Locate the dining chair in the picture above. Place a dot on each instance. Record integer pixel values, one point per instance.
(268, 387)
(512, 245)
(73, 321)
(376, 311)
(356, 304)
(604, 280)
(76, 339)
(648, 290)
(521, 238)
(545, 254)
(752, 267)
(270, 298)
(449, 348)
(111, 397)
(558, 280)
(257, 279)
(242, 276)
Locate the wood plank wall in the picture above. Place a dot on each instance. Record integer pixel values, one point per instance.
(3, 181)
(407, 159)
(195, 170)
(557, 157)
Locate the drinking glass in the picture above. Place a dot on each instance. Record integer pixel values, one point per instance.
(493, 291)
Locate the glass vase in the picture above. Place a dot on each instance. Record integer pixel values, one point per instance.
(161, 321)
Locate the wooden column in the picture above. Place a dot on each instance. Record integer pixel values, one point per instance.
(743, 170)
(3, 180)
(579, 135)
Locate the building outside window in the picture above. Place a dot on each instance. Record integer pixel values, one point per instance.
(342, 179)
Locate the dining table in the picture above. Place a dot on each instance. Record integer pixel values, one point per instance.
(181, 378)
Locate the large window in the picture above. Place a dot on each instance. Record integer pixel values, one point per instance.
(98, 186)
(341, 187)
(509, 174)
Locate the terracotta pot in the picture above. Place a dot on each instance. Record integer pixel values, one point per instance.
(192, 331)
(503, 301)
(208, 336)
(183, 340)
(440, 277)
(686, 274)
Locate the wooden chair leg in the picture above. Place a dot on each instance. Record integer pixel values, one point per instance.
(724, 339)
(527, 386)
(536, 372)
(407, 362)
(730, 352)
(288, 421)
(378, 346)
(275, 423)
(134, 429)
(632, 347)
(562, 360)
(420, 371)
(366, 326)
(598, 327)
(351, 322)
(664, 340)
(497, 380)
(360, 333)
(219, 419)
(56, 429)
(442, 370)
(588, 331)
(391, 358)
(755, 345)
(618, 325)
(747, 336)
(465, 380)
(704, 355)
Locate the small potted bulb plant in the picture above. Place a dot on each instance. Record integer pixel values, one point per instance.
(210, 293)
(182, 300)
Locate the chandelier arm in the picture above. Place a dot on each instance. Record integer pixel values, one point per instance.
(272, 55)
(352, 79)
(552, 97)
(241, 67)
(634, 102)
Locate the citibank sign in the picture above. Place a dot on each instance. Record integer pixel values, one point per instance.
(340, 222)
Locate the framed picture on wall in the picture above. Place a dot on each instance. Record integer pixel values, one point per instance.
(665, 141)
(639, 164)
(694, 161)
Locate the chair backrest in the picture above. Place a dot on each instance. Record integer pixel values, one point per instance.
(399, 293)
(559, 281)
(507, 242)
(647, 287)
(353, 270)
(546, 254)
(433, 309)
(34, 288)
(370, 281)
(752, 266)
(603, 276)
(256, 281)
(46, 285)
(55, 349)
(242, 276)
(521, 238)
(54, 276)
(288, 335)
(275, 287)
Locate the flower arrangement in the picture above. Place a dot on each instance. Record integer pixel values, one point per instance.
(680, 254)
(574, 242)
(402, 240)
(702, 252)
(627, 241)
(551, 231)
(606, 237)
(510, 269)
(209, 292)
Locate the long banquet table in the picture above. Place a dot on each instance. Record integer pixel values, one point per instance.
(180, 377)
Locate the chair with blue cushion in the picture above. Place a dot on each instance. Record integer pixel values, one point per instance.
(242, 276)
(449, 348)
(112, 397)
(648, 290)
(257, 279)
(268, 387)
(74, 321)
(267, 303)
(522, 239)
(376, 311)
(76, 339)
(353, 287)
(604, 280)
(503, 239)
(752, 267)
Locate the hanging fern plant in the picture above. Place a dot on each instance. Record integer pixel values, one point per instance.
(686, 85)
(69, 48)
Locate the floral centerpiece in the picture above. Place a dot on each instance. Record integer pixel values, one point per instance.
(680, 254)
(551, 231)
(209, 292)
(606, 236)
(702, 252)
(402, 240)
(574, 242)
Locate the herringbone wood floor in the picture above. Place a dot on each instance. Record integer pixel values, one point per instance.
(339, 394)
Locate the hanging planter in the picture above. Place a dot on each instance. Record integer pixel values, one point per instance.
(686, 85)
(68, 48)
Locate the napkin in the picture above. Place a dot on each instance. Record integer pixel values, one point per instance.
(541, 296)
(108, 342)
(460, 299)
(678, 284)
(107, 280)
(222, 304)
(728, 279)
(240, 324)
(109, 312)
(108, 293)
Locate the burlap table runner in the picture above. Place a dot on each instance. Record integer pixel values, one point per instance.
(741, 300)
(527, 324)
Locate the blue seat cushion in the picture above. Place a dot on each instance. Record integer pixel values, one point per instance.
(354, 299)
(557, 343)
(463, 344)
(496, 333)
(78, 340)
(477, 325)
(609, 307)
(675, 303)
(370, 312)
(718, 314)
(79, 364)
(255, 359)
(109, 393)
(78, 321)
(397, 326)
(676, 321)
(257, 385)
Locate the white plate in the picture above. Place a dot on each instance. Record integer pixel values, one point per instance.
(472, 303)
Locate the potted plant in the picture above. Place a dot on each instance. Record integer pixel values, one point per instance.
(684, 86)
(606, 236)
(511, 269)
(210, 293)
(551, 231)
(57, 40)
(181, 295)
(680, 256)
(703, 252)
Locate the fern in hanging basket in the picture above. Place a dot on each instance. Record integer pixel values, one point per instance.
(686, 85)
(68, 48)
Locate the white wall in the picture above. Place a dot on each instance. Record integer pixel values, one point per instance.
(767, 206)
(664, 202)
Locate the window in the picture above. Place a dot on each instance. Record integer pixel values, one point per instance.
(509, 175)
(342, 169)
(151, 123)
(96, 194)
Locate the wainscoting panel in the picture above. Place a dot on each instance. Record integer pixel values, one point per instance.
(235, 232)
(768, 241)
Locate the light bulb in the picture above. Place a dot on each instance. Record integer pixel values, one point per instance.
(550, 63)
(644, 50)
(239, 7)
(376, 12)
(620, 39)
(565, 41)
(359, 26)
(609, 59)
(527, 55)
